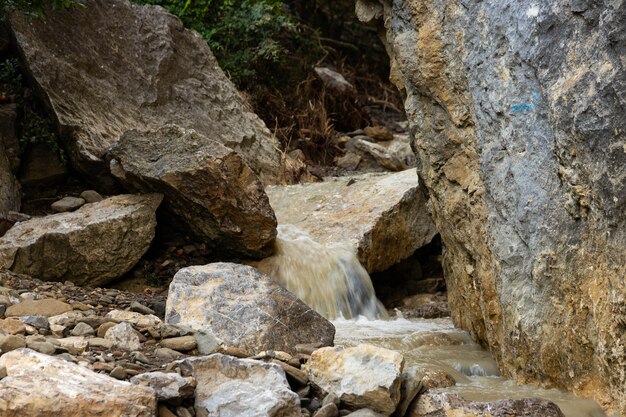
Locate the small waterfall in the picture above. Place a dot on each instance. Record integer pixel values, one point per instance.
(329, 279)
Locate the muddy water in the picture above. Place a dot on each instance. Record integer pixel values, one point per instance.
(331, 280)
(437, 343)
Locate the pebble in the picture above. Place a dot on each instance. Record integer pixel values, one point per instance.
(83, 329)
(11, 342)
(123, 337)
(11, 326)
(102, 330)
(183, 412)
(38, 322)
(42, 347)
(67, 204)
(181, 344)
(328, 410)
(140, 308)
(168, 354)
(118, 373)
(47, 308)
(165, 412)
(91, 196)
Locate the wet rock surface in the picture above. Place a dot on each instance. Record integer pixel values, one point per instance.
(128, 66)
(208, 187)
(244, 308)
(384, 217)
(441, 404)
(516, 109)
(361, 376)
(91, 246)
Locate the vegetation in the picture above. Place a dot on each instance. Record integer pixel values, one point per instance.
(269, 49)
(35, 8)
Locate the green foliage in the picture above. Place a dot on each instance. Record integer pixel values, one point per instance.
(252, 39)
(11, 75)
(35, 8)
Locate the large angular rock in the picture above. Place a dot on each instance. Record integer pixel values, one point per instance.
(127, 66)
(243, 307)
(230, 387)
(208, 187)
(91, 246)
(363, 376)
(443, 404)
(517, 111)
(41, 385)
(384, 217)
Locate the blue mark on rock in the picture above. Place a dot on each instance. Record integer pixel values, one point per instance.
(516, 108)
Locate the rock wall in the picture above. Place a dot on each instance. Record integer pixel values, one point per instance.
(517, 115)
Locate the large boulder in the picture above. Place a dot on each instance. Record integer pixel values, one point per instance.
(383, 217)
(229, 387)
(91, 246)
(208, 187)
(363, 376)
(443, 404)
(41, 385)
(113, 66)
(517, 113)
(243, 308)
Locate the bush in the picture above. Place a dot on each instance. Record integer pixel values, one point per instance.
(35, 8)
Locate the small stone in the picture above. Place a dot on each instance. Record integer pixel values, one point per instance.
(38, 322)
(167, 330)
(118, 373)
(100, 342)
(74, 344)
(123, 337)
(68, 319)
(364, 412)
(11, 342)
(57, 330)
(379, 133)
(328, 410)
(3, 372)
(91, 196)
(140, 357)
(181, 344)
(47, 308)
(165, 412)
(331, 398)
(11, 326)
(46, 348)
(168, 386)
(167, 354)
(67, 204)
(183, 412)
(140, 308)
(207, 343)
(104, 327)
(294, 373)
(83, 329)
(137, 319)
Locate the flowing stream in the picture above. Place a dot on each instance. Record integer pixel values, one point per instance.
(332, 281)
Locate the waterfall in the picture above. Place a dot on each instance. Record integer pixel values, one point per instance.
(329, 279)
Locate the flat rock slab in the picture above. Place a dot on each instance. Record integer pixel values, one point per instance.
(243, 308)
(208, 187)
(383, 216)
(41, 385)
(229, 387)
(444, 404)
(91, 246)
(363, 376)
(45, 308)
(128, 66)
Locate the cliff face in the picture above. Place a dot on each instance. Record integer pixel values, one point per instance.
(517, 113)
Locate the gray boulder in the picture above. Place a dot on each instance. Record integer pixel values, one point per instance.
(243, 308)
(126, 66)
(208, 187)
(517, 113)
(91, 246)
(229, 387)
